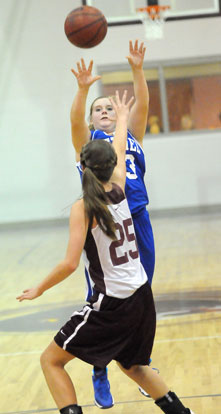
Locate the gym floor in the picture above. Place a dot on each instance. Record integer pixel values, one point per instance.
(187, 291)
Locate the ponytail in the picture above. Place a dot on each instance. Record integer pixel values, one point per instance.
(95, 201)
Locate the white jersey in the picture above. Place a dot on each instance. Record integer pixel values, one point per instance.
(114, 266)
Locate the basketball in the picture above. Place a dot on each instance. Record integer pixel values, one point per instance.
(85, 27)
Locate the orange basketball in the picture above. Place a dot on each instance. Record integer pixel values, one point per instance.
(85, 27)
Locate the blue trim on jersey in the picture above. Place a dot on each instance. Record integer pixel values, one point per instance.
(90, 289)
(78, 165)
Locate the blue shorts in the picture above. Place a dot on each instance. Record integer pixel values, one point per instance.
(145, 240)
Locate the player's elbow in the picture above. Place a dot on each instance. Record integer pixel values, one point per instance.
(71, 266)
(76, 145)
(143, 107)
(79, 138)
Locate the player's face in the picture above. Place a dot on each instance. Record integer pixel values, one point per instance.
(103, 115)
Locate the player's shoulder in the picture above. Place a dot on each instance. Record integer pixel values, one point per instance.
(78, 217)
(77, 208)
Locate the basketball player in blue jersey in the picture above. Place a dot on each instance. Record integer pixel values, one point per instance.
(119, 322)
(102, 126)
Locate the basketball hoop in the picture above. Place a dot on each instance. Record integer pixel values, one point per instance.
(153, 18)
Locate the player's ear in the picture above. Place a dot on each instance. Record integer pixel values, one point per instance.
(91, 126)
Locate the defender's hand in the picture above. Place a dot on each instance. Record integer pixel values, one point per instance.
(121, 107)
(29, 294)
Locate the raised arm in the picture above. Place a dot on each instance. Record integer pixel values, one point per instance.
(79, 127)
(78, 231)
(138, 115)
(122, 110)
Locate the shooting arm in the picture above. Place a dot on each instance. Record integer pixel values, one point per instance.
(138, 115)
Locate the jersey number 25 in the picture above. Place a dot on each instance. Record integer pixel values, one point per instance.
(124, 232)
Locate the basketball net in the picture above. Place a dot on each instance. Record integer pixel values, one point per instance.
(153, 19)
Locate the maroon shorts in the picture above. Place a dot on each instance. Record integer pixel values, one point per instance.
(112, 329)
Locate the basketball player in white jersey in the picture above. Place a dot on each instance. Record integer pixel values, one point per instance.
(102, 126)
(119, 323)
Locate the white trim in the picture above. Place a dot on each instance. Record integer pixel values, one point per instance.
(87, 310)
(97, 305)
(78, 165)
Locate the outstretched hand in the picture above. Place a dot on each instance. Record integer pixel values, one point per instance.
(84, 75)
(121, 107)
(29, 294)
(136, 56)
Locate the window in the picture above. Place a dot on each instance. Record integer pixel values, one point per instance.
(193, 96)
(122, 80)
(183, 97)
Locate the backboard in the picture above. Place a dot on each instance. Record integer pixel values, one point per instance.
(123, 12)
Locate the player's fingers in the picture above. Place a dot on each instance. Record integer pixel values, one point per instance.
(124, 97)
(141, 47)
(130, 60)
(112, 118)
(97, 77)
(129, 103)
(117, 97)
(136, 45)
(90, 66)
(114, 100)
(94, 79)
(130, 46)
(75, 73)
(83, 64)
(113, 103)
(20, 298)
(79, 67)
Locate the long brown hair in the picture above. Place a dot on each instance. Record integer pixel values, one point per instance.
(98, 159)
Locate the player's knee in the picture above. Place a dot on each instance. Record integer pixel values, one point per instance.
(47, 360)
(50, 358)
(44, 360)
(133, 371)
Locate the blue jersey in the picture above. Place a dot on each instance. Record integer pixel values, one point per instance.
(135, 189)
